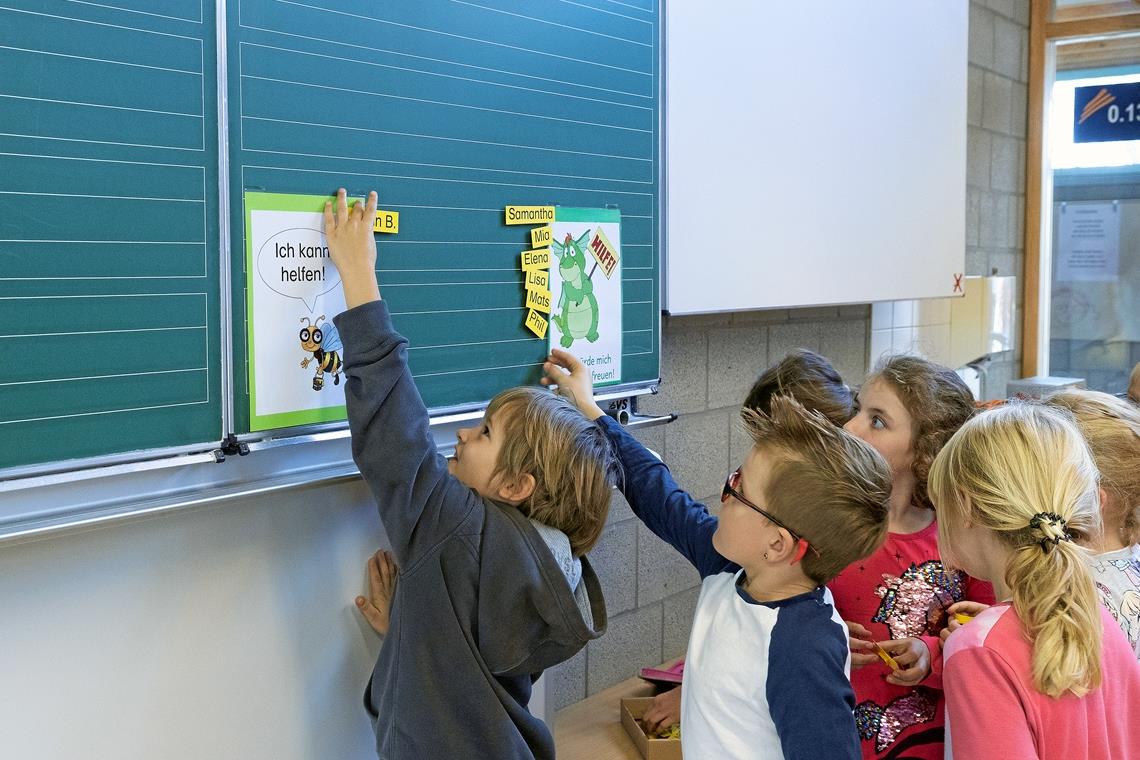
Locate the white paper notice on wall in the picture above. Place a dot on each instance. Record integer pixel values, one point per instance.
(1088, 248)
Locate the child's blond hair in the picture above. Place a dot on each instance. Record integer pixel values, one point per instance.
(572, 461)
(937, 401)
(1111, 427)
(1024, 472)
(826, 484)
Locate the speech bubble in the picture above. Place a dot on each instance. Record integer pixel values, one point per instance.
(295, 263)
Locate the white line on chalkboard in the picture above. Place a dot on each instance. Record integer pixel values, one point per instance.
(460, 269)
(472, 343)
(105, 142)
(438, 74)
(447, 62)
(104, 332)
(441, 137)
(99, 105)
(611, 13)
(104, 160)
(515, 281)
(116, 242)
(628, 5)
(476, 369)
(457, 311)
(104, 411)
(107, 197)
(103, 295)
(53, 278)
(448, 166)
(102, 60)
(100, 23)
(197, 20)
(552, 23)
(446, 179)
(469, 39)
(519, 114)
(39, 380)
(474, 169)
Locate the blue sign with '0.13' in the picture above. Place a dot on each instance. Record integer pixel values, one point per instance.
(1106, 113)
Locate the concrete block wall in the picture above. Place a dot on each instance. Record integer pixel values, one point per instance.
(709, 362)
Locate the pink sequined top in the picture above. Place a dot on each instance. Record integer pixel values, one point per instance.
(902, 591)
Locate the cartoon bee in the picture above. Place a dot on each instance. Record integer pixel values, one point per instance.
(324, 345)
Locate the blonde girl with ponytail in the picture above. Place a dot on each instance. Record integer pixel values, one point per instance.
(1045, 673)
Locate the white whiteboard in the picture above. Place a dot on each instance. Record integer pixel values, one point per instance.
(815, 154)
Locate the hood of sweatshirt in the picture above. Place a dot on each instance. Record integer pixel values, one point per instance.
(542, 602)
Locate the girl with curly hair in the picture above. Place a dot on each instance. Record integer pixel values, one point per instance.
(896, 601)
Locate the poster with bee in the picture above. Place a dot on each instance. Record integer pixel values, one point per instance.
(295, 356)
(586, 289)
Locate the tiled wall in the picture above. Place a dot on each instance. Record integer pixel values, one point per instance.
(709, 362)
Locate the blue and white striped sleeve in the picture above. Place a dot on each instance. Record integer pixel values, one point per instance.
(808, 690)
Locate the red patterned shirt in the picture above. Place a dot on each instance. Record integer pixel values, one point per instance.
(902, 591)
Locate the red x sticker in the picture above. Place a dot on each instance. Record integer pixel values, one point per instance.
(958, 283)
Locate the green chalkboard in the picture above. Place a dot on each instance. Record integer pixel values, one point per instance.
(109, 262)
(111, 286)
(451, 111)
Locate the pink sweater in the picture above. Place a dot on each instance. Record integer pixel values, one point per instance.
(993, 709)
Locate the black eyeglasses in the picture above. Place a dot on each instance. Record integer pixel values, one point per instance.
(731, 486)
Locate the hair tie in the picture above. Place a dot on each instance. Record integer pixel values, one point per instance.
(1052, 527)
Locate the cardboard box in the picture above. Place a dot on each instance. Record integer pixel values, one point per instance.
(651, 749)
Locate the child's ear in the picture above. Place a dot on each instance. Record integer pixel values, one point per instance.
(781, 547)
(517, 489)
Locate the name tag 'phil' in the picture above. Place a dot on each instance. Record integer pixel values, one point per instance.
(536, 323)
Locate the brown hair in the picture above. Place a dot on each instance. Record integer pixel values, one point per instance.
(825, 483)
(1111, 427)
(1024, 472)
(572, 461)
(808, 378)
(938, 403)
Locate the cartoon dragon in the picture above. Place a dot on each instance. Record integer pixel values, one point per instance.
(578, 308)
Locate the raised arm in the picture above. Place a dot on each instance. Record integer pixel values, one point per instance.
(391, 442)
(665, 508)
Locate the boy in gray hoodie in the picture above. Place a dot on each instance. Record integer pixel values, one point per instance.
(494, 585)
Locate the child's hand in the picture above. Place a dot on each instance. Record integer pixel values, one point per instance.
(352, 247)
(862, 645)
(960, 608)
(913, 658)
(376, 607)
(572, 377)
(664, 712)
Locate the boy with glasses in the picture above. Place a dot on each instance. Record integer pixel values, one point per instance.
(766, 672)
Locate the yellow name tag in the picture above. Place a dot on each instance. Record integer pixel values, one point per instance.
(540, 237)
(536, 323)
(539, 259)
(537, 279)
(529, 214)
(539, 300)
(387, 222)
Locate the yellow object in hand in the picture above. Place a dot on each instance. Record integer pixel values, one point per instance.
(962, 617)
(886, 657)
